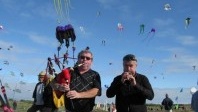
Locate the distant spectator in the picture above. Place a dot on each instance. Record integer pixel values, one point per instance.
(38, 103)
(167, 103)
(14, 104)
(194, 101)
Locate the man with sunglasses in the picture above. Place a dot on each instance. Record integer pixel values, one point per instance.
(130, 88)
(84, 86)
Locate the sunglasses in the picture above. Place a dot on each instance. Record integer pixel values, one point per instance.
(85, 57)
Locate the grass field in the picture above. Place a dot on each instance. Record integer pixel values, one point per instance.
(22, 106)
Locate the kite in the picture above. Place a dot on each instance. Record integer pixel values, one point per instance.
(98, 14)
(176, 98)
(194, 67)
(167, 7)
(153, 61)
(152, 31)
(82, 29)
(22, 83)
(187, 21)
(17, 90)
(120, 27)
(181, 90)
(142, 28)
(175, 55)
(6, 62)
(64, 34)
(10, 47)
(1, 27)
(12, 73)
(103, 42)
(150, 34)
(106, 86)
(21, 74)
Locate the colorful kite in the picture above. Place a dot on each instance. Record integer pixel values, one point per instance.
(142, 28)
(167, 7)
(1, 27)
(120, 27)
(150, 34)
(187, 22)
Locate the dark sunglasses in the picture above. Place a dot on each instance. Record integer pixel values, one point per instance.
(85, 57)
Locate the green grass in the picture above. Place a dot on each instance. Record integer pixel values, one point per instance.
(23, 105)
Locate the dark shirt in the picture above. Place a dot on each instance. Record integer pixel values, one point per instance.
(168, 103)
(48, 97)
(80, 83)
(131, 98)
(35, 92)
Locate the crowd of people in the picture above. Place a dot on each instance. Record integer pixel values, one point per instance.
(77, 92)
(130, 88)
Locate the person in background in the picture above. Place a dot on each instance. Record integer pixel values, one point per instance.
(84, 86)
(14, 104)
(130, 88)
(167, 103)
(48, 98)
(194, 100)
(38, 94)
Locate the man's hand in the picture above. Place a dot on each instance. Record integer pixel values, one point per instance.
(128, 76)
(73, 94)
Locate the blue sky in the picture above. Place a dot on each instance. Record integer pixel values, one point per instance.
(166, 57)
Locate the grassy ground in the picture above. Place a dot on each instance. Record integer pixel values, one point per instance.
(22, 106)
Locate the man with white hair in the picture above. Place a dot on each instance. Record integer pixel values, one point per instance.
(194, 100)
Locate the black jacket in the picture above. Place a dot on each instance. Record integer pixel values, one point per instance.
(131, 98)
(168, 103)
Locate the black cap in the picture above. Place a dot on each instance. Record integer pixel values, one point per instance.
(129, 57)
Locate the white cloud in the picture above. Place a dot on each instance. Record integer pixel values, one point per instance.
(108, 4)
(163, 23)
(188, 40)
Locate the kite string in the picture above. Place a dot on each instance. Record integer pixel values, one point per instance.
(58, 8)
(67, 5)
